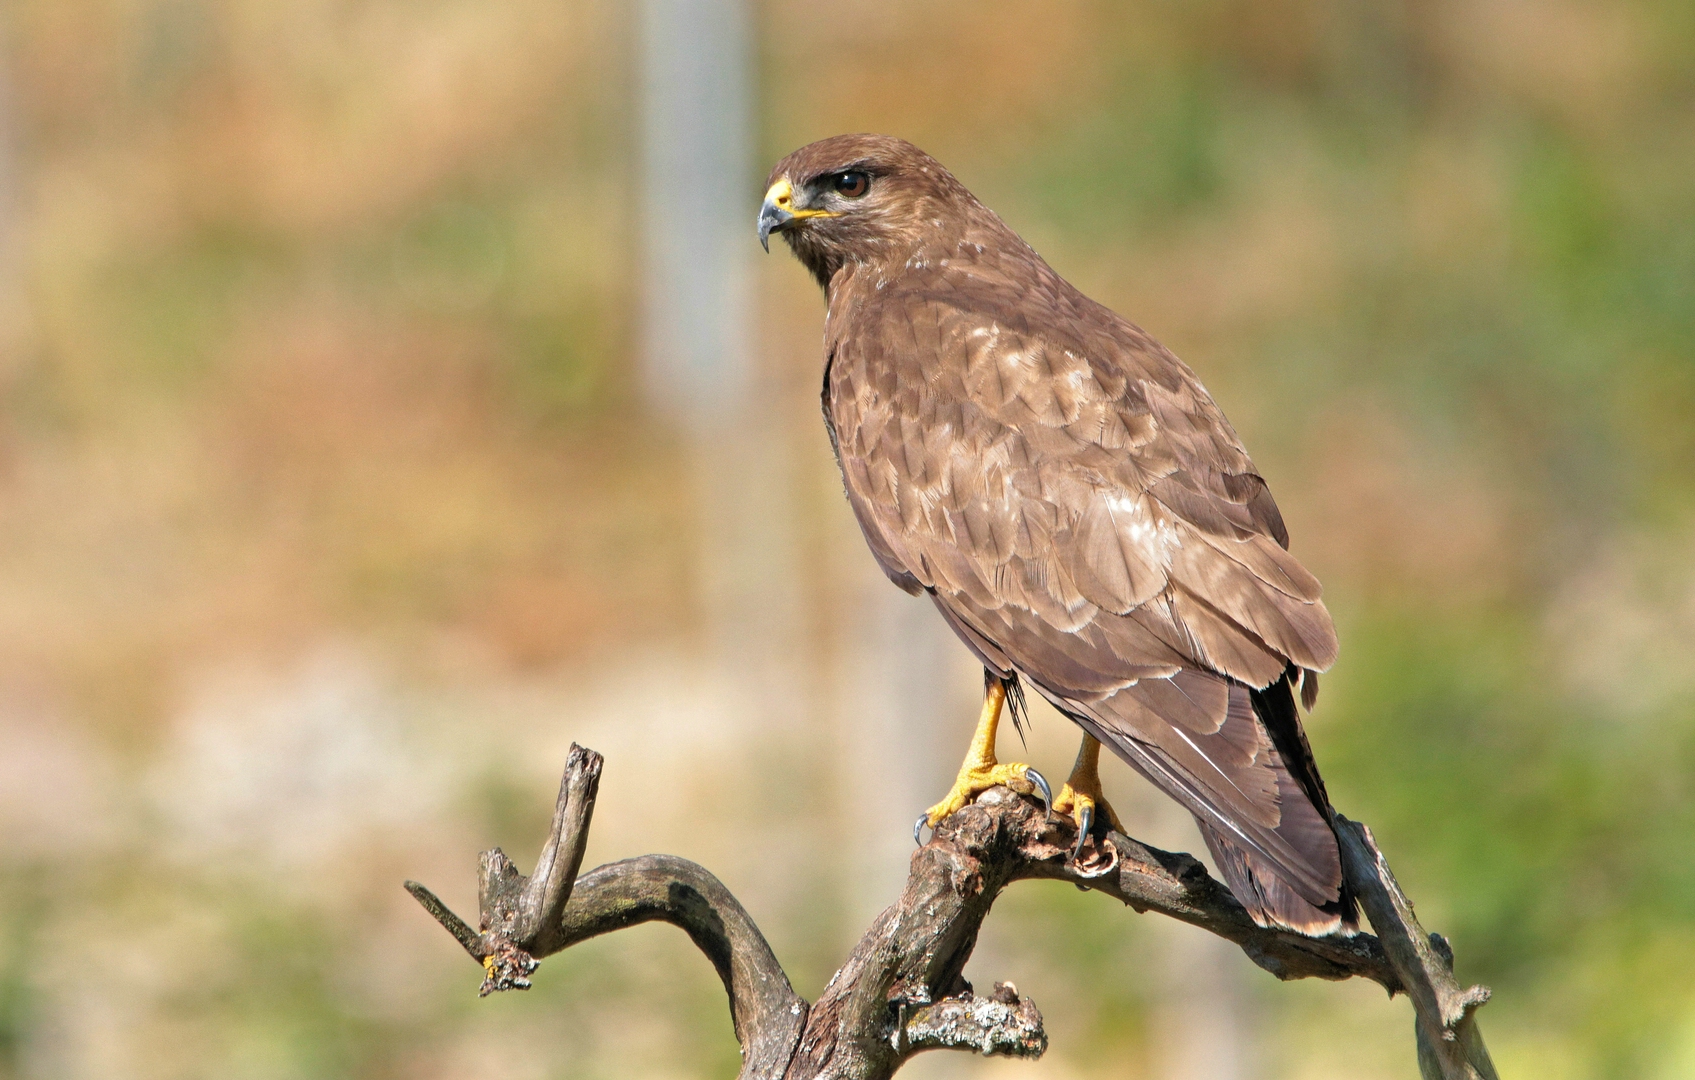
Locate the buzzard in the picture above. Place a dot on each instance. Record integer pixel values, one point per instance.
(1081, 513)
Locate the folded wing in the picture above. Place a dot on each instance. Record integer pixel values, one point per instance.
(1084, 516)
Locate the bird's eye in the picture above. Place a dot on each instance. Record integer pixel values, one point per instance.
(851, 185)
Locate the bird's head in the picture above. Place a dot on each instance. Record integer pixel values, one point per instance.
(856, 199)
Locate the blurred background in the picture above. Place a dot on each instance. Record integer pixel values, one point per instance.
(392, 392)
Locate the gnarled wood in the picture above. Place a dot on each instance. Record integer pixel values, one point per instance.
(1449, 1045)
(902, 990)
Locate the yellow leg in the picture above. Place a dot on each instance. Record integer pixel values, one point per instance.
(980, 771)
(1082, 791)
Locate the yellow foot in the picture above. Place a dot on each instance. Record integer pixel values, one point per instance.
(1081, 798)
(981, 771)
(973, 780)
(1074, 804)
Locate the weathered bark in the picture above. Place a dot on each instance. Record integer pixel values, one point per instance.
(1449, 1045)
(902, 990)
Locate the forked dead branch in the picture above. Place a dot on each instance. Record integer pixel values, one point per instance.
(902, 990)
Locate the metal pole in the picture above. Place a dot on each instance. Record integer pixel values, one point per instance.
(696, 164)
(700, 359)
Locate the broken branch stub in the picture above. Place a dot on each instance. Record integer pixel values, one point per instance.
(520, 916)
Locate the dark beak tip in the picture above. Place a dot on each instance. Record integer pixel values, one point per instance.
(771, 219)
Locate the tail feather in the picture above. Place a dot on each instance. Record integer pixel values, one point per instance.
(1256, 795)
(1268, 895)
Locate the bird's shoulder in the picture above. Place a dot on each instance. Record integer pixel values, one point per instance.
(1005, 352)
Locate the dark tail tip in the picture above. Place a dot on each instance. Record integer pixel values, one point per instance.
(1272, 900)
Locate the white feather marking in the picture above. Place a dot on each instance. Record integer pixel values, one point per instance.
(1184, 735)
(1143, 528)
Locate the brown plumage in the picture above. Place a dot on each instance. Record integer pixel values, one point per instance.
(1077, 507)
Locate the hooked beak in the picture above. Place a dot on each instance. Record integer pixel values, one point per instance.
(773, 216)
(779, 209)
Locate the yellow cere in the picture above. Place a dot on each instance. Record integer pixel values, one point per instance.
(782, 196)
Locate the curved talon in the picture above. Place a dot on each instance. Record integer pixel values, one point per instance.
(918, 828)
(1041, 783)
(1083, 826)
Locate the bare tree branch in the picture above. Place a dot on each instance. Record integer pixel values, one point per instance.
(768, 1014)
(902, 990)
(544, 896)
(521, 916)
(1449, 1045)
(1176, 884)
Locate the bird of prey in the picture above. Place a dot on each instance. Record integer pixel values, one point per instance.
(1081, 513)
